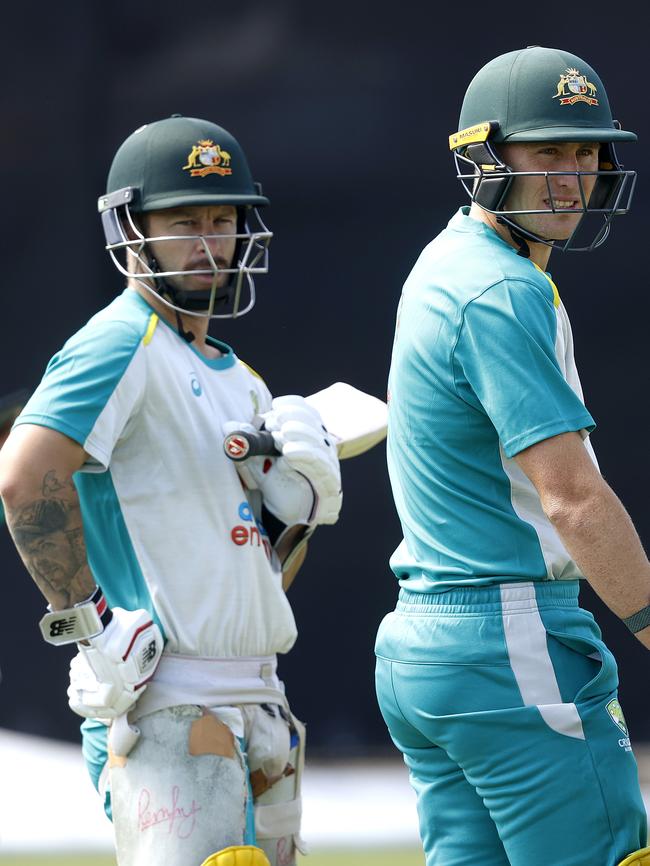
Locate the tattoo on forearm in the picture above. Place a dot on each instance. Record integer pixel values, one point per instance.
(51, 484)
(49, 536)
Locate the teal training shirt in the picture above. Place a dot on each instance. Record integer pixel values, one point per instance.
(482, 367)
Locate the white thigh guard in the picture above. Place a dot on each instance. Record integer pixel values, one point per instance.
(276, 743)
(181, 792)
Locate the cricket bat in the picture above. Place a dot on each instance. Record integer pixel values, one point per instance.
(355, 421)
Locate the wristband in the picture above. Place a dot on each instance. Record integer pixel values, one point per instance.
(639, 620)
(85, 620)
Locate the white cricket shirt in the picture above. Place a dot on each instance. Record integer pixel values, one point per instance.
(166, 521)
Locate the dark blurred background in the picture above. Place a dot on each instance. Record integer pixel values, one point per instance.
(344, 109)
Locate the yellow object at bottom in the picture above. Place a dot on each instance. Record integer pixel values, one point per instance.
(240, 855)
(638, 858)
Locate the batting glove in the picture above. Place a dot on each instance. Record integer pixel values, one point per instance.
(303, 485)
(300, 435)
(109, 674)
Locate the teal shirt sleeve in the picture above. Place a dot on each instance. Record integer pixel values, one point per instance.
(505, 365)
(88, 374)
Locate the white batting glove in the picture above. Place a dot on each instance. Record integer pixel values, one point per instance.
(304, 484)
(285, 493)
(109, 675)
(306, 448)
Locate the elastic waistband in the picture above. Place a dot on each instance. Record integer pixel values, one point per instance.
(493, 598)
(211, 682)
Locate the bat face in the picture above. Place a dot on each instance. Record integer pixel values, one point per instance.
(356, 420)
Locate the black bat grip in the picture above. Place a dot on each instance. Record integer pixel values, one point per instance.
(241, 445)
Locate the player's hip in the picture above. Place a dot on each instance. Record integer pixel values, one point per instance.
(479, 624)
(496, 647)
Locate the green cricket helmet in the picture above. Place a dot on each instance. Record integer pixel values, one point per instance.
(540, 95)
(185, 162)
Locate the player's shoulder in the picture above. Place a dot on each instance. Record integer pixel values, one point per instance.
(468, 273)
(251, 371)
(521, 299)
(517, 286)
(468, 258)
(127, 314)
(119, 328)
(108, 344)
(256, 385)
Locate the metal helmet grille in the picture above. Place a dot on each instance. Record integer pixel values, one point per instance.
(130, 251)
(488, 181)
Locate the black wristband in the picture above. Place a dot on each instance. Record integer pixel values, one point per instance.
(639, 620)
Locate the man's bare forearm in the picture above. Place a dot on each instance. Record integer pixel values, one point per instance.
(47, 530)
(591, 521)
(600, 536)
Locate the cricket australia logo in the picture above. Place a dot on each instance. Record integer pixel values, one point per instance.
(616, 715)
(206, 157)
(573, 87)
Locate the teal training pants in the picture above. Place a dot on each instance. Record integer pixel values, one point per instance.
(503, 702)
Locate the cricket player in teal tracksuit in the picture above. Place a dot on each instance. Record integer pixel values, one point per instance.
(493, 682)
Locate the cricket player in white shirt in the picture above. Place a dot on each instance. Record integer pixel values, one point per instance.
(163, 560)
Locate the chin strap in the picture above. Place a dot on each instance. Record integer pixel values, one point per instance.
(519, 239)
(188, 336)
(163, 288)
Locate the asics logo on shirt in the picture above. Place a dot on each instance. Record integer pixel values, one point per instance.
(197, 390)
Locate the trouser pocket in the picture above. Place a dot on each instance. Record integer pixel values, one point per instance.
(586, 670)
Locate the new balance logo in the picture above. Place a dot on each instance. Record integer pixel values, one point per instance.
(148, 655)
(60, 627)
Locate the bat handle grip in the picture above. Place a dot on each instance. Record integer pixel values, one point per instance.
(240, 445)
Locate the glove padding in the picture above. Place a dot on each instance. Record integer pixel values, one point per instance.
(304, 484)
(109, 675)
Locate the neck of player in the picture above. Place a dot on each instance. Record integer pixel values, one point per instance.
(197, 325)
(539, 253)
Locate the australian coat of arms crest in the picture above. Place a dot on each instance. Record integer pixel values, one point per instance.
(206, 157)
(574, 87)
